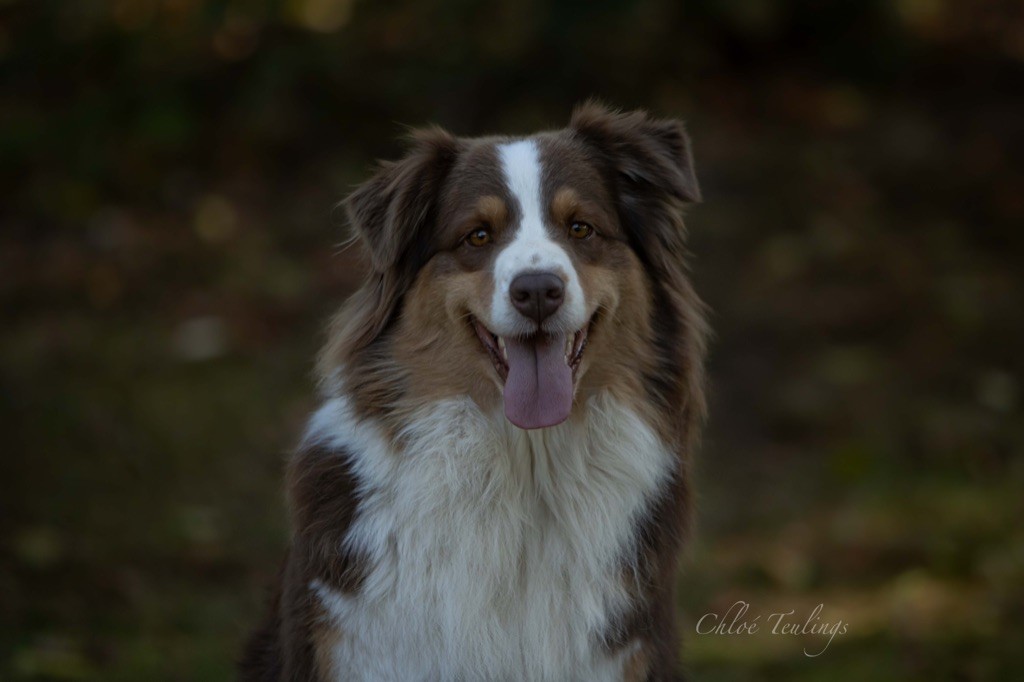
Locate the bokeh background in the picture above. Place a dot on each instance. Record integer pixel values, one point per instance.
(169, 253)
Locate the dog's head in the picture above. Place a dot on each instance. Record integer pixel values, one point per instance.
(527, 270)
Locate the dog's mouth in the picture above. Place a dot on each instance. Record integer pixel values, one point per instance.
(538, 372)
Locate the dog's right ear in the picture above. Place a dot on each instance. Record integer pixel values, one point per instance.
(390, 211)
(391, 214)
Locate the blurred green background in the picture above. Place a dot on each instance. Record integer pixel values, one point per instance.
(168, 256)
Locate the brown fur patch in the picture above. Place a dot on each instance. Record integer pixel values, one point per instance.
(492, 210)
(323, 499)
(565, 205)
(322, 493)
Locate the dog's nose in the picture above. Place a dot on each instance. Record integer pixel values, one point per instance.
(537, 294)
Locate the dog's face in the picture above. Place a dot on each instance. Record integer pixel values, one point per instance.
(526, 264)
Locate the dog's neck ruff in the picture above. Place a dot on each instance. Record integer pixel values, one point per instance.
(493, 552)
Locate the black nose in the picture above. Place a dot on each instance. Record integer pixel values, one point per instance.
(537, 294)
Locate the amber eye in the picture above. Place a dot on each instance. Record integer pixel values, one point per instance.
(479, 237)
(580, 230)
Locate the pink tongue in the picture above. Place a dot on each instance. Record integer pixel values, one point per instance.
(538, 391)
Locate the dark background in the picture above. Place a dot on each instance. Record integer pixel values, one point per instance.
(169, 253)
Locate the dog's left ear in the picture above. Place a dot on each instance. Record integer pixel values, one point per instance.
(648, 154)
(649, 166)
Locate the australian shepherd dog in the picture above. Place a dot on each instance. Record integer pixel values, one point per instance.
(495, 485)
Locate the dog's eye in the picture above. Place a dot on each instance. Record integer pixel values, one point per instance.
(479, 237)
(580, 230)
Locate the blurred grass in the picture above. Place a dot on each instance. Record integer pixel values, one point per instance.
(169, 254)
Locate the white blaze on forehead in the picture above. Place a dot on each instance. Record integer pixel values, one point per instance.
(532, 249)
(520, 162)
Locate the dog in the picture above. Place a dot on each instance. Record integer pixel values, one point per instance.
(496, 484)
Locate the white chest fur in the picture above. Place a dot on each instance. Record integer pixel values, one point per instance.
(495, 553)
